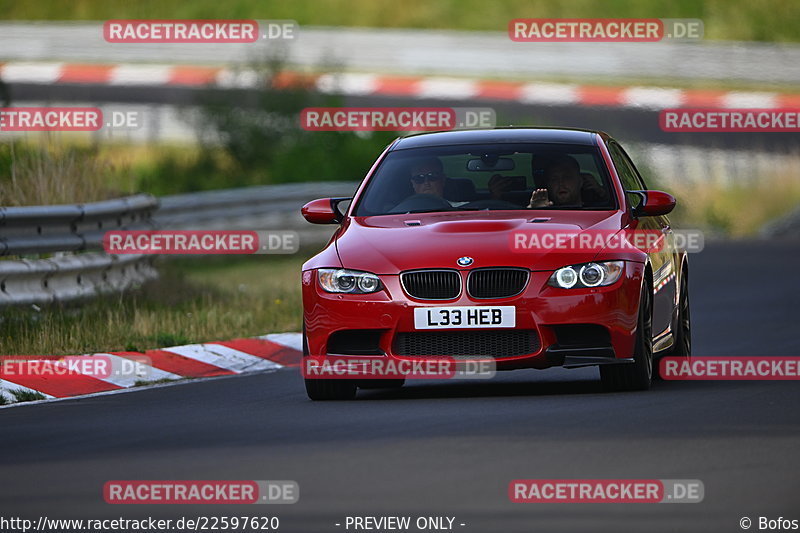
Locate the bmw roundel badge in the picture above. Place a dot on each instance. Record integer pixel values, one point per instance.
(464, 261)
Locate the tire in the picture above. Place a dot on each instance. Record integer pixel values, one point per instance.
(682, 331)
(380, 383)
(639, 374)
(682, 346)
(322, 390)
(327, 389)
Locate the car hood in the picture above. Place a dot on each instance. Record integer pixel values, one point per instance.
(390, 244)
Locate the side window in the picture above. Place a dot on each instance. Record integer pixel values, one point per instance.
(627, 173)
(643, 185)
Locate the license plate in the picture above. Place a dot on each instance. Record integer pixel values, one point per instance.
(464, 317)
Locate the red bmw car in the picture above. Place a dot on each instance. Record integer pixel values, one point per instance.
(432, 258)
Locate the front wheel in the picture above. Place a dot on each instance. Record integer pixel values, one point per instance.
(639, 374)
(682, 346)
(380, 383)
(327, 389)
(330, 389)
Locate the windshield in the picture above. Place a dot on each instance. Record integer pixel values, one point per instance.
(488, 177)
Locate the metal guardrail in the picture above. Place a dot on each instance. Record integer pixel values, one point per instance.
(267, 207)
(63, 230)
(70, 228)
(258, 208)
(785, 227)
(71, 277)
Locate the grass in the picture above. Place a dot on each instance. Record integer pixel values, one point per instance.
(144, 383)
(193, 301)
(746, 20)
(27, 396)
(45, 170)
(734, 211)
(51, 170)
(725, 199)
(22, 396)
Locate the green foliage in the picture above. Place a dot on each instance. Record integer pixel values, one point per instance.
(27, 396)
(744, 20)
(255, 138)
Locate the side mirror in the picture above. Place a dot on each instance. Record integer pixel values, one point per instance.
(323, 211)
(654, 203)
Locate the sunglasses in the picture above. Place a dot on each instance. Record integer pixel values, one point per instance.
(419, 179)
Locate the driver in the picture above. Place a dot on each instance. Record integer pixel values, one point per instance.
(427, 177)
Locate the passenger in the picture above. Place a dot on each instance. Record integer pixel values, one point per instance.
(567, 186)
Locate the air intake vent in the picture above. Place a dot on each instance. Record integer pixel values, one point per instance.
(490, 343)
(432, 284)
(496, 282)
(355, 342)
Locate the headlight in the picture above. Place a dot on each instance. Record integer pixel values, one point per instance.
(587, 275)
(348, 281)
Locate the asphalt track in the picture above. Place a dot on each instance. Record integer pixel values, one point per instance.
(451, 448)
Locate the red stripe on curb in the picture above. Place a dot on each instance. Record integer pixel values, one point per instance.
(287, 79)
(410, 86)
(177, 364)
(499, 90)
(602, 96)
(59, 382)
(77, 73)
(703, 98)
(193, 75)
(278, 353)
(397, 86)
(789, 100)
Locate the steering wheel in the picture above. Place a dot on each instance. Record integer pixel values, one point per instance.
(491, 204)
(422, 202)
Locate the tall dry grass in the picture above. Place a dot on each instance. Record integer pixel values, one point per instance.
(47, 171)
(738, 210)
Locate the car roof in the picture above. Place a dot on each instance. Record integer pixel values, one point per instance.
(499, 135)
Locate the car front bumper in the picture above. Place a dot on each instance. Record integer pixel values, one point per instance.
(556, 316)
